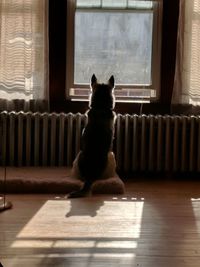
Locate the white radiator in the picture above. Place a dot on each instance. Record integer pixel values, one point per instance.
(142, 143)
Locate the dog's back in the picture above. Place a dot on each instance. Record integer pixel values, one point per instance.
(98, 134)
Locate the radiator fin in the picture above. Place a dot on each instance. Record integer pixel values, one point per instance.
(20, 140)
(119, 140)
(45, 138)
(53, 139)
(61, 139)
(184, 152)
(3, 133)
(135, 138)
(70, 132)
(28, 134)
(151, 158)
(12, 136)
(37, 144)
(143, 144)
(160, 143)
(127, 144)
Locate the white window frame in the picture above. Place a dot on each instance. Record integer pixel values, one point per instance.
(123, 93)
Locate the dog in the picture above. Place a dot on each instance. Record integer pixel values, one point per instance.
(96, 160)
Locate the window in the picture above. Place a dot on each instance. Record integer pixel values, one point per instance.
(23, 49)
(120, 38)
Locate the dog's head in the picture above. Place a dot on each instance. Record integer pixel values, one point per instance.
(102, 96)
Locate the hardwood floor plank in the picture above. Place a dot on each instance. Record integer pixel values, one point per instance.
(152, 225)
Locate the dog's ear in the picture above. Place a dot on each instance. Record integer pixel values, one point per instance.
(93, 80)
(111, 81)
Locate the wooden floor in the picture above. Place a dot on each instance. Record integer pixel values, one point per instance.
(155, 224)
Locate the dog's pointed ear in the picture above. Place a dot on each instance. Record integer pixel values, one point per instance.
(93, 80)
(111, 81)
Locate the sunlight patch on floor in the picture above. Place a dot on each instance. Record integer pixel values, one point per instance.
(76, 219)
(109, 219)
(88, 230)
(196, 210)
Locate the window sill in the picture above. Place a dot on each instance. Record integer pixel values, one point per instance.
(125, 95)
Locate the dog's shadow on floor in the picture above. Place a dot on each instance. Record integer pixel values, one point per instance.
(84, 206)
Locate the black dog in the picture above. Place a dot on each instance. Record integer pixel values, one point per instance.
(97, 137)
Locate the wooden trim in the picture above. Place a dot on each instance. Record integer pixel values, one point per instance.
(169, 40)
(57, 51)
(70, 44)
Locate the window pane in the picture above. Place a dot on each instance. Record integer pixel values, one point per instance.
(118, 43)
(88, 3)
(140, 4)
(114, 3)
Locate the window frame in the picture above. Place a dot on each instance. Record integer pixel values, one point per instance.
(122, 90)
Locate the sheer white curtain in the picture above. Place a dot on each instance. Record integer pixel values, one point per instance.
(187, 76)
(23, 49)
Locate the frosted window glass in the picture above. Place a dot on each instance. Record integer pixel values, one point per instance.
(114, 3)
(140, 4)
(88, 3)
(118, 43)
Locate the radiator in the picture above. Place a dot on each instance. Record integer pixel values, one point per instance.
(142, 143)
